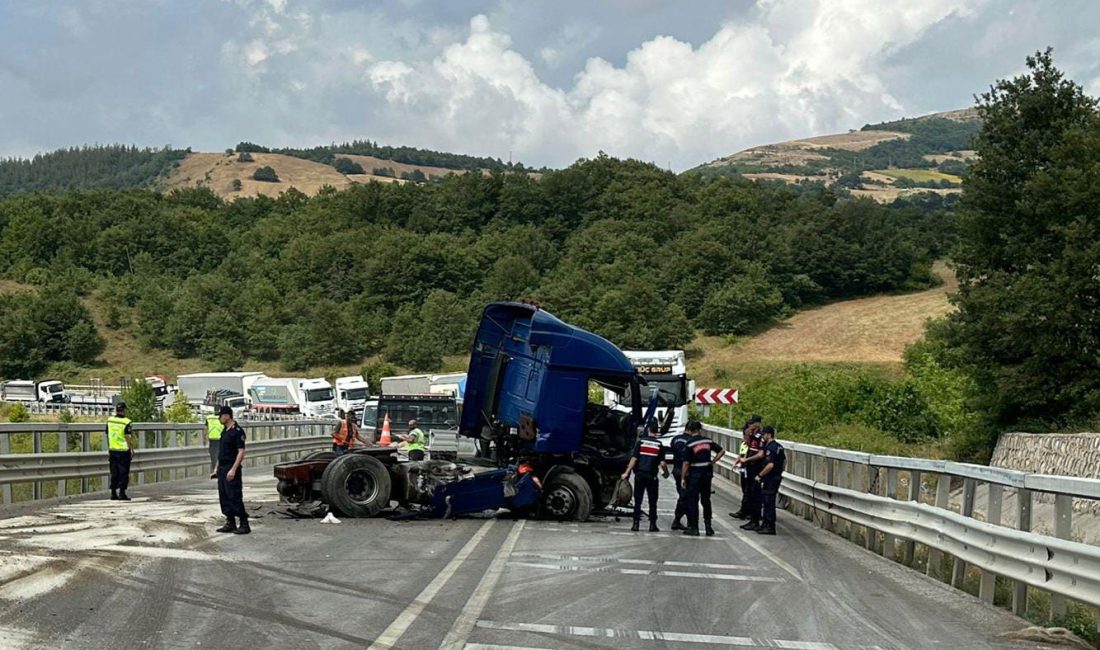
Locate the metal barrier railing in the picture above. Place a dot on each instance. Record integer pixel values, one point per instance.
(902, 508)
(45, 460)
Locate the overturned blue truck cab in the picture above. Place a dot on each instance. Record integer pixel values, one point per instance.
(527, 402)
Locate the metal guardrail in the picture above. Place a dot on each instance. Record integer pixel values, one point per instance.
(165, 452)
(864, 498)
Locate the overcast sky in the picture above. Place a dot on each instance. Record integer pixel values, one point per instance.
(676, 83)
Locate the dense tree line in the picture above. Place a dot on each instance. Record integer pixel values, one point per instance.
(1027, 330)
(633, 252)
(113, 166)
(42, 326)
(329, 155)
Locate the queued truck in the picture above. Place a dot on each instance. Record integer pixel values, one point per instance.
(197, 386)
(666, 381)
(27, 391)
(352, 393)
(527, 392)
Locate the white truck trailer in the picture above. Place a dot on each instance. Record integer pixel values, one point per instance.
(197, 385)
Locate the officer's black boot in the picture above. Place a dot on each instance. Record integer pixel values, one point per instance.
(766, 530)
(738, 515)
(653, 526)
(114, 495)
(122, 496)
(676, 525)
(691, 532)
(230, 525)
(244, 528)
(709, 529)
(752, 525)
(634, 528)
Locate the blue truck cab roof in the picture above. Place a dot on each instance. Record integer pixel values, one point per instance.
(529, 370)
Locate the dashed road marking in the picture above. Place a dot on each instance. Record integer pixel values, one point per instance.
(652, 635)
(467, 618)
(646, 572)
(668, 563)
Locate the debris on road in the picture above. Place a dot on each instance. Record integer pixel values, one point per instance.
(330, 519)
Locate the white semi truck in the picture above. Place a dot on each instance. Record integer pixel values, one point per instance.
(352, 393)
(197, 385)
(665, 372)
(316, 397)
(24, 390)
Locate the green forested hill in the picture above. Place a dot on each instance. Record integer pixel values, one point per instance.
(640, 255)
(109, 166)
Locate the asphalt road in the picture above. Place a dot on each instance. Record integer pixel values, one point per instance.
(153, 574)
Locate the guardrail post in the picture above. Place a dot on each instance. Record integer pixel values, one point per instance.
(85, 446)
(141, 443)
(889, 542)
(173, 474)
(1063, 527)
(909, 550)
(871, 539)
(36, 437)
(988, 586)
(958, 571)
(943, 501)
(158, 440)
(1023, 522)
(809, 474)
(62, 447)
(5, 448)
(830, 479)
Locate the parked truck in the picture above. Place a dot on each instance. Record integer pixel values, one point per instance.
(197, 385)
(665, 375)
(406, 385)
(352, 393)
(316, 398)
(24, 390)
(275, 396)
(526, 391)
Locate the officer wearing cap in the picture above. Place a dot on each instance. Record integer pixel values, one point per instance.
(230, 488)
(679, 447)
(769, 478)
(120, 450)
(698, 470)
(648, 456)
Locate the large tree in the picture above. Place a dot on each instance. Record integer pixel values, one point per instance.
(1028, 324)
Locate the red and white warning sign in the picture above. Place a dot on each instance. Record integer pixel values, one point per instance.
(708, 396)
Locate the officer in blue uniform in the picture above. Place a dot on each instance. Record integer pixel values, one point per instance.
(769, 478)
(230, 485)
(647, 458)
(678, 445)
(698, 470)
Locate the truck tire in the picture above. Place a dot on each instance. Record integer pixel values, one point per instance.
(356, 485)
(567, 496)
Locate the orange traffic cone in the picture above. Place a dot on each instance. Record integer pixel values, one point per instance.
(385, 439)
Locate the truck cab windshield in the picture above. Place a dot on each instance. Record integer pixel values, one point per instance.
(671, 392)
(319, 395)
(55, 388)
(356, 393)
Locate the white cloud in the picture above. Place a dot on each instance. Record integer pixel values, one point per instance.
(796, 68)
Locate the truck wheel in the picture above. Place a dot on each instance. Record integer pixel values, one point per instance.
(320, 455)
(356, 485)
(567, 496)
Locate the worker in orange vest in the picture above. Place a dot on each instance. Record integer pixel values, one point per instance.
(344, 438)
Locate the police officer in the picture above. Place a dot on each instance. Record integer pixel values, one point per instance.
(648, 456)
(769, 478)
(752, 464)
(751, 425)
(679, 449)
(214, 436)
(414, 442)
(698, 470)
(120, 450)
(230, 488)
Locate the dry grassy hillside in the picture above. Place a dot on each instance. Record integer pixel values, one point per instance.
(872, 330)
(217, 171)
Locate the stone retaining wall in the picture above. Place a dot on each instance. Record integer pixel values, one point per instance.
(1066, 454)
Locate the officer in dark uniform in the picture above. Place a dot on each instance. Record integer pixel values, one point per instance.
(230, 489)
(647, 458)
(752, 464)
(679, 455)
(769, 478)
(698, 470)
(751, 425)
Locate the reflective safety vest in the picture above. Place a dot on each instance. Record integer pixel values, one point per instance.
(416, 440)
(743, 450)
(343, 437)
(214, 427)
(116, 433)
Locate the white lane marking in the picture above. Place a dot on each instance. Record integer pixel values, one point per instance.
(782, 564)
(588, 532)
(489, 646)
(405, 619)
(647, 572)
(590, 558)
(650, 635)
(467, 618)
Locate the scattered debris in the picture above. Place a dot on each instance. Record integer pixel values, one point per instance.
(1057, 636)
(330, 519)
